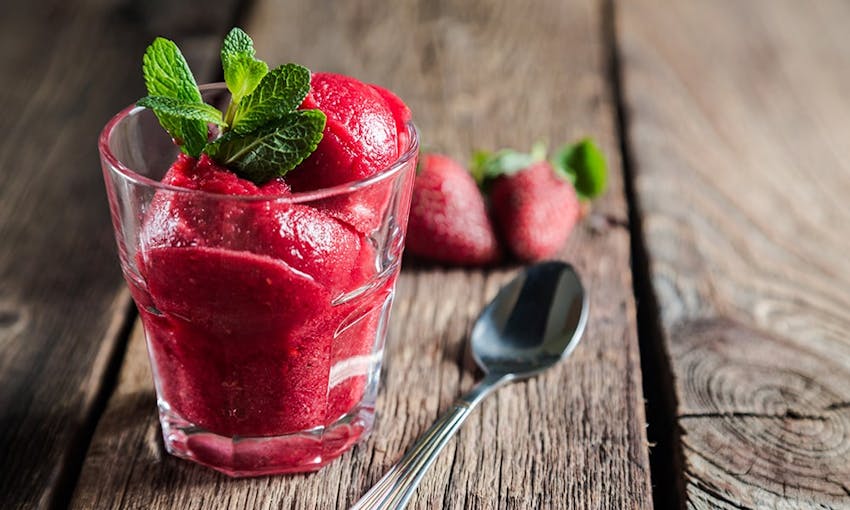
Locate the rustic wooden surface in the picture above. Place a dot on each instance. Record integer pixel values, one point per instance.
(738, 128)
(476, 74)
(67, 66)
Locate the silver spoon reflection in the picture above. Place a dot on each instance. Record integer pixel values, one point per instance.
(532, 323)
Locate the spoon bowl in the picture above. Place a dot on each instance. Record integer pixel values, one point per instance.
(533, 322)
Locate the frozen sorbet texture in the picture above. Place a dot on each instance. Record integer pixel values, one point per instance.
(265, 316)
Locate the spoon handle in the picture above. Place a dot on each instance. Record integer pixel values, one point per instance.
(396, 487)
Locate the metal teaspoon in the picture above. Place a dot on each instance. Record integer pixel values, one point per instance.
(533, 322)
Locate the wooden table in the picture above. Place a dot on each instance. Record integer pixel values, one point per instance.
(727, 220)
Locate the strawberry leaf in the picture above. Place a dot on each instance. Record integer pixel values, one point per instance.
(584, 165)
(538, 151)
(477, 166)
(279, 92)
(168, 75)
(488, 166)
(186, 111)
(272, 150)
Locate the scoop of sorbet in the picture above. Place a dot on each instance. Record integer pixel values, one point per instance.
(365, 133)
(305, 238)
(361, 136)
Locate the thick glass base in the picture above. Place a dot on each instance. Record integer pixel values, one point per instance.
(236, 456)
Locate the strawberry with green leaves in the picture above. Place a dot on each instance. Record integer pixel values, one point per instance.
(448, 218)
(535, 203)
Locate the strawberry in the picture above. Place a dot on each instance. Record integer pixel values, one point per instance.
(536, 203)
(535, 210)
(448, 218)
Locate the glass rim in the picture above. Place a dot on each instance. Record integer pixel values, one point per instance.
(124, 171)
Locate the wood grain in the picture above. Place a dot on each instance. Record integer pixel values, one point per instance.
(737, 122)
(476, 74)
(67, 66)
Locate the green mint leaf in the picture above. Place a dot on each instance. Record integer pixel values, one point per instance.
(584, 164)
(242, 72)
(181, 109)
(237, 41)
(272, 150)
(168, 75)
(280, 91)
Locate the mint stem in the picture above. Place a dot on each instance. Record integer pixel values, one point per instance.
(263, 134)
(230, 114)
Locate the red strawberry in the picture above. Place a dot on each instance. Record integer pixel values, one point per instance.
(534, 202)
(535, 210)
(448, 218)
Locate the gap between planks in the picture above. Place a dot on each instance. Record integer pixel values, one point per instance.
(665, 457)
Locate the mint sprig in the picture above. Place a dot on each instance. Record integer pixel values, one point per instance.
(278, 93)
(183, 110)
(242, 71)
(168, 75)
(584, 165)
(263, 133)
(273, 149)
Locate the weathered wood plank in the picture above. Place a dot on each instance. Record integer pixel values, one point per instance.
(476, 74)
(67, 66)
(738, 126)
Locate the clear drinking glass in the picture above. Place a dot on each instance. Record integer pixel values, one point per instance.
(265, 316)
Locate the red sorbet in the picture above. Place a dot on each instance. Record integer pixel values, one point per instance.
(245, 327)
(366, 132)
(262, 315)
(361, 135)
